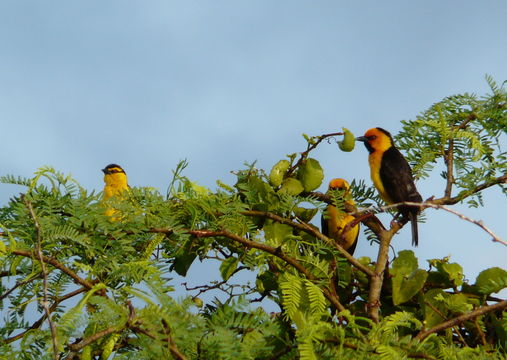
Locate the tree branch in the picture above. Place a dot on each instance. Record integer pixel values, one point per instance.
(460, 319)
(54, 262)
(377, 278)
(278, 252)
(466, 193)
(312, 231)
(429, 204)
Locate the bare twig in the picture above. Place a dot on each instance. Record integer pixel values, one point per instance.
(310, 147)
(460, 319)
(45, 301)
(431, 204)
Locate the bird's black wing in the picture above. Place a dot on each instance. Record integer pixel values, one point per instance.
(396, 176)
(323, 226)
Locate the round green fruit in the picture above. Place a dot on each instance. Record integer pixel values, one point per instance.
(277, 172)
(291, 186)
(349, 141)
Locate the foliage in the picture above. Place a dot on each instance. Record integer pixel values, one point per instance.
(109, 284)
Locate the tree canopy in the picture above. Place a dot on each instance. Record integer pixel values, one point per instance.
(78, 284)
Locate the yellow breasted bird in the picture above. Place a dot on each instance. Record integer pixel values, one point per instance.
(335, 220)
(392, 176)
(115, 180)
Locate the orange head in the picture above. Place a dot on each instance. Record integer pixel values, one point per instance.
(339, 184)
(376, 139)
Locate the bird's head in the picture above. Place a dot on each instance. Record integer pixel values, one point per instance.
(376, 139)
(113, 169)
(339, 184)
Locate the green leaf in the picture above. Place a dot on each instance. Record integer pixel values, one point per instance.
(228, 266)
(459, 303)
(305, 214)
(310, 174)
(491, 280)
(184, 257)
(435, 309)
(407, 280)
(276, 232)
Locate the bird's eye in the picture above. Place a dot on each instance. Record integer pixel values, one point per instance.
(373, 137)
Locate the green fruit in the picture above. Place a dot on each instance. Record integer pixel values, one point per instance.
(277, 172)
(349, 141)
(310, 174)
(198, 302)
(291, 186)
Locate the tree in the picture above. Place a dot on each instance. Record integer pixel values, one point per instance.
(101, 286)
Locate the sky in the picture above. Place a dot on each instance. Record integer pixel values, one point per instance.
(220, 83)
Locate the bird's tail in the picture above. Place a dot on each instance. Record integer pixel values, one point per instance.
(415, 235)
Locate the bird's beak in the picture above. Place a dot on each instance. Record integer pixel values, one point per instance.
(362, 138)
(104, 171)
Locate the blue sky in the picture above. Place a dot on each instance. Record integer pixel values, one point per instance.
(145, 84)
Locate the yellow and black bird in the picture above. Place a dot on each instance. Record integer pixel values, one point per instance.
(392, 176)
(335, 220)
(116, 183)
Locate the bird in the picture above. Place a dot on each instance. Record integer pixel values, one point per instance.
(115, 184)
(392, 176)
(335, 220)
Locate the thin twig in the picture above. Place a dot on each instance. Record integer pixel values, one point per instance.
(310, 147)
(45, 301)
(18, 284)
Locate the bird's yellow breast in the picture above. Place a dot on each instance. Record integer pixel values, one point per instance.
(375, 160)
(337, 222)
(115, 184)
